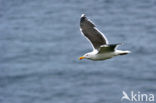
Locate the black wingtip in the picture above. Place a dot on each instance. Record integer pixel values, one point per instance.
(83, 17)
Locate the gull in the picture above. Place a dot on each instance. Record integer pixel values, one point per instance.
(102, 50)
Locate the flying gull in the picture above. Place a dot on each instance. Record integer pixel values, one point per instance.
(102, 50)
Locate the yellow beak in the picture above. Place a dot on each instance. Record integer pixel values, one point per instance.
(81, 58)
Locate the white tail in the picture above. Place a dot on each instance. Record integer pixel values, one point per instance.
(120, 52)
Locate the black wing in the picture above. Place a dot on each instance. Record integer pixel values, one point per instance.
(92, 33)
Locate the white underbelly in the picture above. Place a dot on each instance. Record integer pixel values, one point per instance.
(104, 56)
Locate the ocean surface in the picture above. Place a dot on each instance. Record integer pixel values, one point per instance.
(40, 44)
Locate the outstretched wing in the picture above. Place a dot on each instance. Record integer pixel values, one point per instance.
(92, 33)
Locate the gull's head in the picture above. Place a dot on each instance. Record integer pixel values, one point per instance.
(86, 56)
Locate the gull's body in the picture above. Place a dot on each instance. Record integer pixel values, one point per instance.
(94, 55)
(101, 49)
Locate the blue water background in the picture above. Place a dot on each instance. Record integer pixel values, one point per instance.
(40, 43)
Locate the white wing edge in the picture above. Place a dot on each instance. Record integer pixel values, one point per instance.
(102, 35)
(87, 39)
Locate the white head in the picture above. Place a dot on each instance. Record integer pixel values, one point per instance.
(86, 56)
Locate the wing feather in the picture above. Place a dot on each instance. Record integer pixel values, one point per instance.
(92, 33)
(108, 48)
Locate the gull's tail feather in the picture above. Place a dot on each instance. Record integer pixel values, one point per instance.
(125, 52)
(120, 52)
